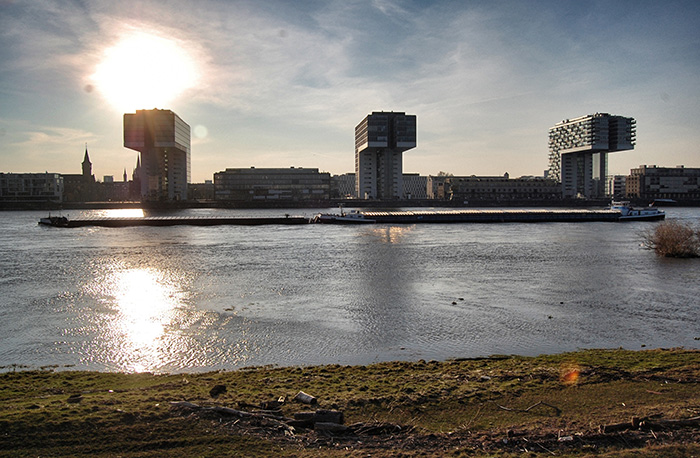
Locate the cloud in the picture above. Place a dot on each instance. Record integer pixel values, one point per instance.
(294, 77)
(44, 146)
(50, 138)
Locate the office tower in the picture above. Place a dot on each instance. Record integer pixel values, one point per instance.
(379, 141)
(578, 151)
(163, 139)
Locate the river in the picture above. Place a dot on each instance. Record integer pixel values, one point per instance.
(183, 298)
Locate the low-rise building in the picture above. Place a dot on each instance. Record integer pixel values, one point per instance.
(343, 186)
(31, 187)
(615, 186)
(415, 186)
(270, 184)
(473, 187)
(201, 191)
(651, 182)
(436, 186)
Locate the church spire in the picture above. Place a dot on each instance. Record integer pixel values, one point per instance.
(87, 165)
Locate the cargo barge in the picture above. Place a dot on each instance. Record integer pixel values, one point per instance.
(356, 217)
(474, 216)
(62, 221)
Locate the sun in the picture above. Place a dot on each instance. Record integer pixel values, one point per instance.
(144, 70)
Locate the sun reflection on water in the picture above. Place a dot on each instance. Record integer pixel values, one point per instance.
(121, 213)
(148, 321)
(391, 234)
(144, 302)
(147, 304)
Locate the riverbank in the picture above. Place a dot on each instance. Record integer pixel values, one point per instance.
(332, 203)
(603, 402)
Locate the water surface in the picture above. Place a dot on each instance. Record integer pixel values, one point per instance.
(167, 299)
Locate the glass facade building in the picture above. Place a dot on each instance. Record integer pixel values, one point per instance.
(272, 184)
(163, 139)
(578, 151)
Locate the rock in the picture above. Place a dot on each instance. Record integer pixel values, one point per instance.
(328, 416)
(217, 390)
(74, 398)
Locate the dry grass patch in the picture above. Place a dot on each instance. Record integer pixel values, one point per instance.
(500, 406)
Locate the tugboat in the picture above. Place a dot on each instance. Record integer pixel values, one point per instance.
(55, 221)
(352, 217)
(629, 213)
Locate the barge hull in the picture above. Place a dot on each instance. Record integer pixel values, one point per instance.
(182, 221)
(495, 216)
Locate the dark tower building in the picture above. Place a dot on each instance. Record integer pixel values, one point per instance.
(163, 139)
(380, 139)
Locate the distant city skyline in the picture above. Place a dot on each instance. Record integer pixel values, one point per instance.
(281, 84)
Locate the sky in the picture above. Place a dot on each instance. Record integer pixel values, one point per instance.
(273, 83)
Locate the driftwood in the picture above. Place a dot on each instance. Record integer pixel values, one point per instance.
(320, 420)
(274, 419)
(313, 419)
(330, 427)
(376, 429)
(268, 405)
(646, 424)
(670, 424)
(556, 409)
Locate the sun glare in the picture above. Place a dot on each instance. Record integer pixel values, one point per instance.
(144, 71)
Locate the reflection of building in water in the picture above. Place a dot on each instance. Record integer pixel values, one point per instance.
(163, 139)
(272, 184)
(380, 140)
(390, 234)
(578, 151)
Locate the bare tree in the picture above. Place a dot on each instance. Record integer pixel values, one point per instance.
(673, 239)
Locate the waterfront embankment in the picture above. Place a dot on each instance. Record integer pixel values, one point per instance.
(332, 203)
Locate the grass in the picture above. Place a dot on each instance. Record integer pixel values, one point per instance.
(477, 407)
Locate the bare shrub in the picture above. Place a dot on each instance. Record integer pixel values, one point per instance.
(673, 239)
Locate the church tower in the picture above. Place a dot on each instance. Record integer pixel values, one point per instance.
(87, 167)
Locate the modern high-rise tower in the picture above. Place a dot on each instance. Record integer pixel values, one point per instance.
(379, 141)
(163, 139)
(578, 151)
